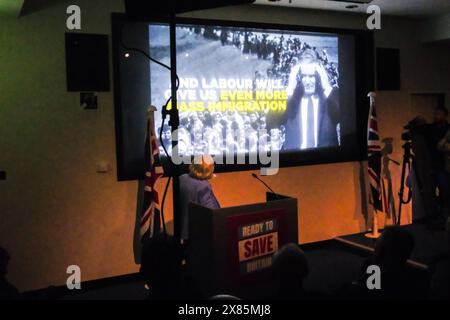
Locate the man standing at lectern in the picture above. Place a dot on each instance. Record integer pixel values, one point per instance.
(195, 188)
(311, 117)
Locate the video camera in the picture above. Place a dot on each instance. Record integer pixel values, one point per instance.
(412, 126)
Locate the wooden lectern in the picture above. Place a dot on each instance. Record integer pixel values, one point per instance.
(230, 249)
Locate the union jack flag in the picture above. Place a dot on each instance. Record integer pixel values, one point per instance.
(374, 157)
(151, 215)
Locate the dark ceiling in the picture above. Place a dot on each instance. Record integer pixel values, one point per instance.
(31, 6)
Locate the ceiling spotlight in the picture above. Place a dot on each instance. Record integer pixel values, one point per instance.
(351, 6)
(127, 55)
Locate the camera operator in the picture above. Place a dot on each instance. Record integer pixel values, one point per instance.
(438, 131)
(444, 146)
(433, 133)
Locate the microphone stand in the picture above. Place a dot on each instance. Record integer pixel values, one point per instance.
(265, 184)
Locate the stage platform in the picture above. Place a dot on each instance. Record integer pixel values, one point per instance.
(429, 243)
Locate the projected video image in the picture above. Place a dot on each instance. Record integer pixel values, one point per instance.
(245, 90)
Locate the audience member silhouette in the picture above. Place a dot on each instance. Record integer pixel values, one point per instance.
(290, 268)
(398, 279)
(160, 266)
(162, 271)
(440, 280)
(440, 268)
(393, 248)
(7, 290)
(224, 297)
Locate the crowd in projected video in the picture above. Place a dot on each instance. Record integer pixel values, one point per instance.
(247, 90)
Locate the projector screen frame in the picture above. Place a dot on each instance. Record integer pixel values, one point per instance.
(364, 83)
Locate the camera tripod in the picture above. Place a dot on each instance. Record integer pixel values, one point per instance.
(408, 158)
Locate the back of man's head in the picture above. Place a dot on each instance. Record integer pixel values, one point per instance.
(290, 263)
(393, 248)
(161, 259)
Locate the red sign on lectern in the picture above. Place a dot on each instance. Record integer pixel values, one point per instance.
(254, 239)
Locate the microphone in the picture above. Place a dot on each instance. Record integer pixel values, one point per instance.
(267, 186)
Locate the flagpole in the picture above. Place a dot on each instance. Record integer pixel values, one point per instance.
(174, 123)
(375, 233)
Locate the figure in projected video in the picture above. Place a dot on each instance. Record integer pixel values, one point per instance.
(311, 115)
